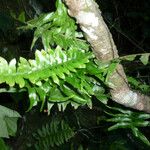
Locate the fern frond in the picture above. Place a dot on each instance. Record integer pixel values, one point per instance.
(56, 76)
(56, 28)
(48, 76)
(54, 134)
(52, 64)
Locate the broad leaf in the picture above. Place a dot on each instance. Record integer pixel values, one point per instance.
(144, 59)
(8, 121)
(130, 57)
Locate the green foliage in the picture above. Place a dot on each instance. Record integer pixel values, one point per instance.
(108, 67)
(60, 75)
(56, 28)
(144, 58)
(3, 145)
(139, 85)
(53, 134)
(20, 18)
(49, 74)
(8, 122)
(111, 68)
(127, 119)
(54, 64)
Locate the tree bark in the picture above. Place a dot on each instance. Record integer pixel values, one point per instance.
(88, 16)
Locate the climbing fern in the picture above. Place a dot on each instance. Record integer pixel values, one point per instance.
(61, 73)
(56, 28)
(55, 64)
(47, 74)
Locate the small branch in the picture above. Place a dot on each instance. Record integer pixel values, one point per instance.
(88, 16)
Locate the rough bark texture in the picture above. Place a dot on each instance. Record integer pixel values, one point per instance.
(88, 16)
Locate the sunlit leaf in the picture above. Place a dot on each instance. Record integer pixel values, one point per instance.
(130, 57)
(144, 59)
(139, 135)
(8, 121)
(111, 69)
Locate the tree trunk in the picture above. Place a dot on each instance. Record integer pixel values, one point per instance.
(88, 16)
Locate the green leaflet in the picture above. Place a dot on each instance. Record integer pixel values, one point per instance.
(139, 85)
(130, 57)
(110, 71)
(144, 59)
(21, 17)
(140, 135)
